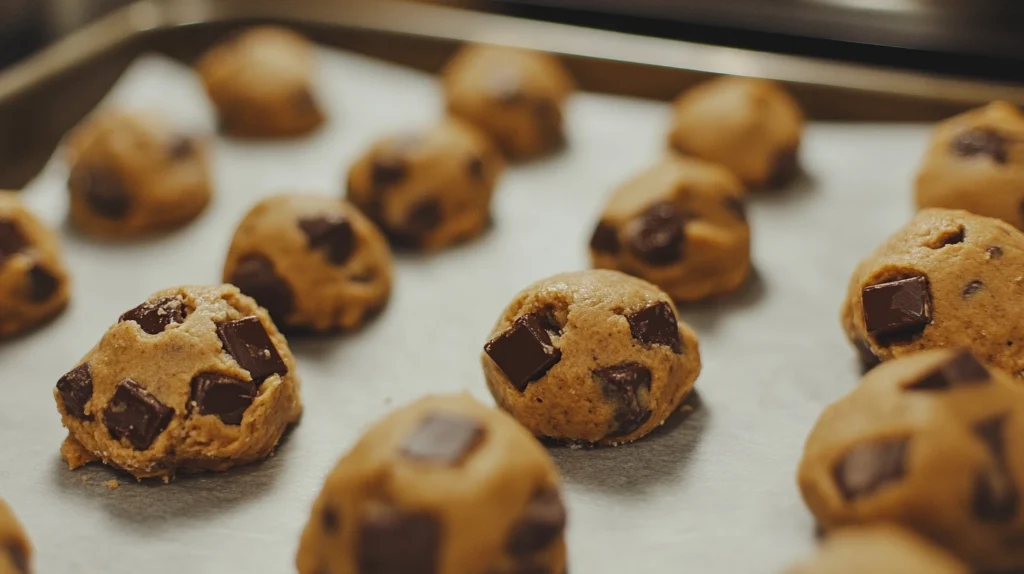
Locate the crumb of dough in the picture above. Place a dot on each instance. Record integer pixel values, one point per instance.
(112, 484)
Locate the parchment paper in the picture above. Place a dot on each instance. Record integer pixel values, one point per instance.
(712, 493)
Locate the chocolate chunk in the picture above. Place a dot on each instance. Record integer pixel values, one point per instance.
(542, 522)
(248, 342)
(391, 541)
(443, 438)
(75, 390)
(330, 520)
(994, 252)
(785, 167)
(961, 371)
(181, 148)
(657, 236)
(524, 351)
(737, 206)
(423, 218)
(605, 238)
(995, 497)
(154, 316)
(475, 168)
(11, 239)
(897, 309)
(971, 289)
(980, 142)
(136, 415)
(656, 325)
(626, 385)
(17, 552)
(389, 165)
(868, 358)
(332, 234)
(870, 466)
(256, 277)
(103, 191)
(991, 431)
(41, 284)
(222, 396)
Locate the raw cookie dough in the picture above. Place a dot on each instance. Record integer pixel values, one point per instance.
(751, 126)
(947, 279)
(428, 189)
(314, 262)
(261, 82)
(15, 549)
(517, 96)
(33, 280)
(442, 486)
(592, 356)
(928, 441)
(879, 549)
(131, 174)
(193, 379)
(681, 225)
(976, 163)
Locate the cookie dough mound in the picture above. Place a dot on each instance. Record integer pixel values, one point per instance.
(751, 126)
(976, 163)
(131, 174)
(517, 96)
(34, 284)
(880, 549)
(681, 225)
(927, 441)
(193, 379)
(443, 486)
(593, 357)
(428, 189)
(314, 262)
(15, 550)
(261, 82)
(947, 279)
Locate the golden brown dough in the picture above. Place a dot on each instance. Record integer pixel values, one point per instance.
(879, 549)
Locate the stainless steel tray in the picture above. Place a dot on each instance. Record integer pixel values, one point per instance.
(711, 492)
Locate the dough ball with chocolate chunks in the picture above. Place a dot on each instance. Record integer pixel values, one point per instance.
(193, 379)
(34, 285)
(976, 162)
(261, 82)
(517, 96)
(681, 225)
(15, 549)
(947, 279)
(929, 442)
(751, 126)
(314, 262)
(879, 549)
(132, 174)
(442, 486)
(430, 189)
(593, 357)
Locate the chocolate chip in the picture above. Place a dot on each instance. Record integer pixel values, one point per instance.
(248, 342)
(475, 168)
(542, 522)
(389, 168)
(256, 277)
(994, 252)
(524, 351)
(18, 554)
(656, 325)
(222, 396)
(626, 385)
(391, 541)
(995, 497)
(971, 289)
(736, 205)
(785, 167)
(868, 358)
(870, 466)
(75, 390)
(330, 520)
(11, 239)
(991, 432)
(181, 148)
(443, 438)
(897, 309)
(960, 371)
(136, 415)
(657, 236)
(332, 234)
(605, 238)
(154, 316)
(980, 142)
(103, 191)
(423, 218)
(41, 284)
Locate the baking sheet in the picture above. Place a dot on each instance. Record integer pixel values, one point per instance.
(713, 492)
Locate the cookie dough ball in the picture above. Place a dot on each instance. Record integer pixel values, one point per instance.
(681, 225)
(592, 357)
(430, 189)
(976, 162)
(751, 126)
(33, 280)
(947, 279)
(314, 262)
(443, 486)
(15, 550)
(131, 174)
(880, 549)
(194, 379)
(517, 96)
(261, 82)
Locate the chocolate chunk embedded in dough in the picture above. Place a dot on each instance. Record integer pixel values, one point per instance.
(443, 438)
(136, 415)
(605, 238)
(42, 284)
(542, 522)
(980, 142)
(12, 240)
(256, 276)
(248, 342)
(332, 234)
(657, 236)
(960, 371)
(870, 466)
(224, 397)
(75, 389)
(627, 386)
(656, 325)
(897, 308)
(393, 541)
(524, 351)
(154, 316)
